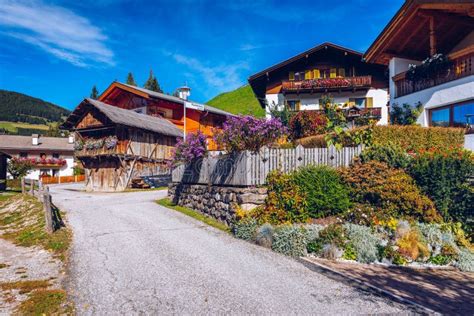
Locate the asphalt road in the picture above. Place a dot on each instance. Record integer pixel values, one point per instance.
(132, 256)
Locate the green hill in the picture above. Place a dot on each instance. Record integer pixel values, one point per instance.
(23, 114)
(240, 101)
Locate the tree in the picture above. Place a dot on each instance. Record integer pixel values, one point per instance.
(152, 83)
(131, 80)
(94, 93)
(405, 114)
(18, 167)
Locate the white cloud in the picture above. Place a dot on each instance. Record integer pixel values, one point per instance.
(220, 77)
(56, 30)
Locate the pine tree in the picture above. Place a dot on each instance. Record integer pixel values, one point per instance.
(94, 93)
(152, 83)
(131, 80)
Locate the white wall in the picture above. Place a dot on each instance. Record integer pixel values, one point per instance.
(311, 101)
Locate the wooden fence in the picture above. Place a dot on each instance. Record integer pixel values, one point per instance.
(52, 217)
(63, 179)
(247, 168)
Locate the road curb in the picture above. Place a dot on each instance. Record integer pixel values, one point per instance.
(344, 278)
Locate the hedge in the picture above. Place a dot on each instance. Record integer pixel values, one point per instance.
(409, 138)
(414, 137)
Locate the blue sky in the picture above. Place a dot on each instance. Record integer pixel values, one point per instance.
(58, 50)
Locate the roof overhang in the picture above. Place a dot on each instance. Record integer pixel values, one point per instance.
(407, 33)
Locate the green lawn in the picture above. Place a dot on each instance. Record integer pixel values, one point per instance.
(194, 214)
(12, 127)
(239, 101)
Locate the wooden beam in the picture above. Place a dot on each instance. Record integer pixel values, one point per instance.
(432, 36)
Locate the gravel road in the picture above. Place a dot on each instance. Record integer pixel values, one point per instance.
(132, 256)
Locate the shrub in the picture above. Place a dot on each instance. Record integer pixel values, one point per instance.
(285, 202)
(264, 236)
(248, 133)
(324, 192)
(433, 236)
(333, 234)
(412, 138)
(192, 148)
(313, 244)
(444, 176)
(411, 246)
(290, 240)
(392, 155)
(391, 191)
(18, 167)
(245, 228)
(365, 243)
(465, 261)
(307, 123)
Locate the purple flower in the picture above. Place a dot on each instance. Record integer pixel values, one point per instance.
(194, 147)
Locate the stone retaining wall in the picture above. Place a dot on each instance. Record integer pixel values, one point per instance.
(219, 202)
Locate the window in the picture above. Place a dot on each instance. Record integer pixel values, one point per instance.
(291, 76)
(440, 117)
(333, 73)
(293, 105)
(43, 155)
(362, 102)
(55, 155)
(299, 76)
(463, 115)
(316, 74)
(456, 115)
(342, 72)
(23, 155)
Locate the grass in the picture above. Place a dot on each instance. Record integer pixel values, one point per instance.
(26, 226)
(46, 302)
(166, 202)
(239, 101)
(13, 126)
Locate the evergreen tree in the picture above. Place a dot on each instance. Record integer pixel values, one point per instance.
(94, 93)
(131, 80)
(152, 83)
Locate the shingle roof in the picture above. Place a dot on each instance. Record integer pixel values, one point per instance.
(171, 98)
(16, 142)
(126, 118)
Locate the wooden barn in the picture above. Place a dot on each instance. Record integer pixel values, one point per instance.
(116, 146)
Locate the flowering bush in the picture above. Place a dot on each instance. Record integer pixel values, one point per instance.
(19, 167)
(248, 133)
(194, 147)
(429, 68)
(307, 123)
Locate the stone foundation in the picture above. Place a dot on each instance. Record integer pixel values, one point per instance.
(219, 202)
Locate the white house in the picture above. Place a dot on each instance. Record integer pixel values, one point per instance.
(301, 82)
(440, 33)
(51, 156)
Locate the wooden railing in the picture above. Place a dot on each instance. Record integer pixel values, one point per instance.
(120, 148)
(328, 83)
(63, 179)
(461, 67)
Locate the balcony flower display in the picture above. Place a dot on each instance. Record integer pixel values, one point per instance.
(111, 142)
(91, 144)
(429, 68)
(43, 161)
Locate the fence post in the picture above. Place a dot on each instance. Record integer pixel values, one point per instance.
(32, 187)
(23, 189)
(48, 213)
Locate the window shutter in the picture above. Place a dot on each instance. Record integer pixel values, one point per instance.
(352, 102)
(291, 76)
(316, 74)
(333, 73)
(342, 72)
(369, 102)
(308, 75)
(298, 105)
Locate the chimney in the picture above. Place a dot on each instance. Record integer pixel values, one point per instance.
(35, 139)
(70, 139)
(184, 92)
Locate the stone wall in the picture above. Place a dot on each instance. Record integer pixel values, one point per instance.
(219, 202)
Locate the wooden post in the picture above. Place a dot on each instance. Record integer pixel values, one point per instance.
(432, 36)
(32, 187)
(23, 188)
(48, 213)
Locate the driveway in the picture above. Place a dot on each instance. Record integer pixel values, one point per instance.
(132, 256)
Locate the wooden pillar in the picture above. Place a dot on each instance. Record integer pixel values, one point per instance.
(48, 213)
(23, 187)
(432, 36)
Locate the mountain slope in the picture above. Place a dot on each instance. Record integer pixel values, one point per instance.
(239, 101)
(18, 107)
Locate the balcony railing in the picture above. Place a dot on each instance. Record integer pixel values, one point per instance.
(327, 84)
(460, 67)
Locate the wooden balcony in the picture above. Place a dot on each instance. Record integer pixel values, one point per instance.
(120, 149)
(326, 84)
(461, 67)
